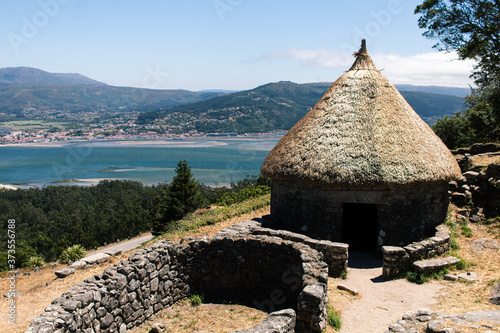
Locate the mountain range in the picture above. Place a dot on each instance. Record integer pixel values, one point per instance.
(271, 106)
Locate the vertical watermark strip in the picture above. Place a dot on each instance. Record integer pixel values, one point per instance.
(11, 262)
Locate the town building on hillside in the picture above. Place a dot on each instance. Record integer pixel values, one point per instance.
(361, 167)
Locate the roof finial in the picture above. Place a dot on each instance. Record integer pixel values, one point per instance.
(362, 50)
(363, 46)
(363, 60)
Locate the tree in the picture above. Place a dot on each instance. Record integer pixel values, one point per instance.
(184, 196)
(469, 27)
(472, 29)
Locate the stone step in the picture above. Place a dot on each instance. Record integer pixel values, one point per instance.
(432, 265)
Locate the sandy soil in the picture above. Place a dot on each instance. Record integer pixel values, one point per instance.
(380, 302)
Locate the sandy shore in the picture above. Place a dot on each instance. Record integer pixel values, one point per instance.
(78, 182)
(8, 187)
(184, 143)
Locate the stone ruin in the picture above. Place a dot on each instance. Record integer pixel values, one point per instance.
(285, 278)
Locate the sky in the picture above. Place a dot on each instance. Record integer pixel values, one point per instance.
(221, 44)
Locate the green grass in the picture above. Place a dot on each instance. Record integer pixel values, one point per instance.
(195, 300)
(466, 230)
(454, 245)
(194, 222)
(333, 318)
(416, 277)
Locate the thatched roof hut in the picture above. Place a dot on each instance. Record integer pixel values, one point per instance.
(361, 136)
(362, 133)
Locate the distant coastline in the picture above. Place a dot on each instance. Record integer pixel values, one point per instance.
(205, 141)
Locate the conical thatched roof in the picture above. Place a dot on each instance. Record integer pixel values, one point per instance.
(361, 134)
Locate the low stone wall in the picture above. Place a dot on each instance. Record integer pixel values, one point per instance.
(334, 254)
(397, 260)
(265, 272)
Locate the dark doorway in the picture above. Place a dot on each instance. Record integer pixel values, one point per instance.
(359, 226)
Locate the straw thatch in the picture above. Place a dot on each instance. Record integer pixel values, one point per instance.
(361, 134)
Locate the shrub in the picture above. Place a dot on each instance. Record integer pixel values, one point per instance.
(36, 261)
(416, 277)
(333, 318)
(454, 245)
(73, 253)
(195, 299)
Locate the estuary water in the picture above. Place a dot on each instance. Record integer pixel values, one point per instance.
(213, 161)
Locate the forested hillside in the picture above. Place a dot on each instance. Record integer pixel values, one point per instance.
(278, 106)
(85, 98)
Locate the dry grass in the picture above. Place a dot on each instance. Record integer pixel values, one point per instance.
(460, 297)
(219, 318)
(339, 299)
(484, 160)
(37, 291)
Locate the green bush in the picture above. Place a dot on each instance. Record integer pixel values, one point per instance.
(333, 318)
(195, 299)
(454, 245)
(73, 253)
(416, 277)
(36, 261)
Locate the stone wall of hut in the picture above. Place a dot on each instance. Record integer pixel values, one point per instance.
(402, 215)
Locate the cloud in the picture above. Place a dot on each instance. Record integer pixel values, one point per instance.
(436, 68)
(308, 58)
(433, 68)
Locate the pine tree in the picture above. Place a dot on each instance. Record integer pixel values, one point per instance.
(184, 197)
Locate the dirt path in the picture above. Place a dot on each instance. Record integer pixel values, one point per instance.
(124, 246)
(381, 302)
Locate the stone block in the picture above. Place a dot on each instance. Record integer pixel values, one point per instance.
(469, 276)
(65, 272)
(80, 264)
(113, 252)
(350, 290)
(432, 265)
(450, 277)
(97, 258)
(393, 251)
